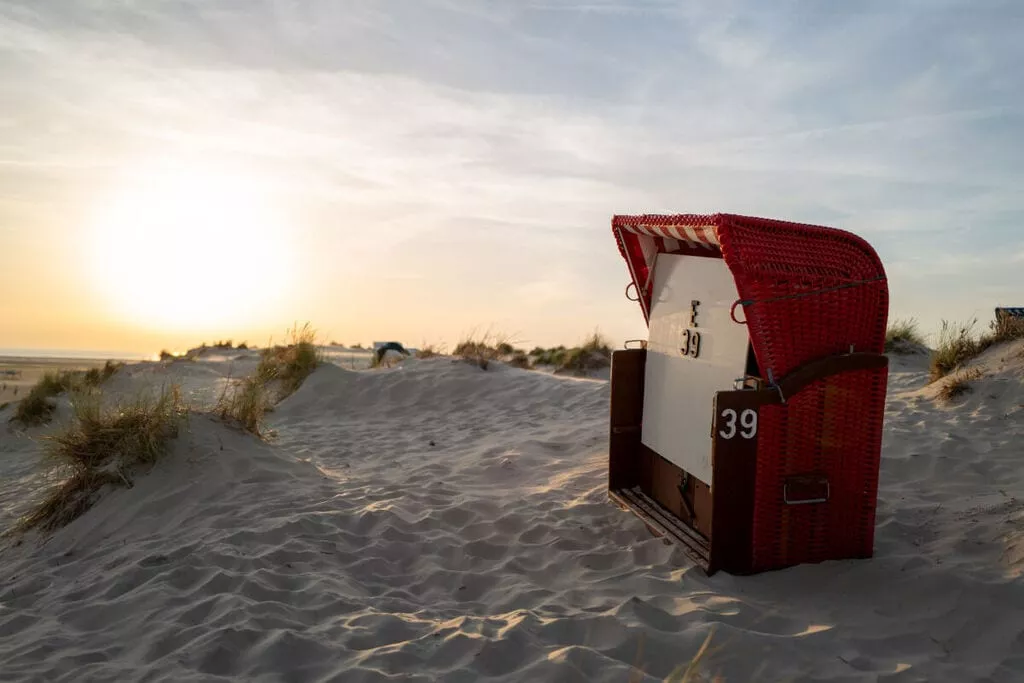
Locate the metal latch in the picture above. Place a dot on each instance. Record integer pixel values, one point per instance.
(804, 489)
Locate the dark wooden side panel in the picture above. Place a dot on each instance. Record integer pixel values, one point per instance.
(734, 468)
(686, 497)
(627, 409)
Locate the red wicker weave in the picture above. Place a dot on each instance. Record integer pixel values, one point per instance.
(806, 292)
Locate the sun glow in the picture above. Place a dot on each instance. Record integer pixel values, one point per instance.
(177, 248)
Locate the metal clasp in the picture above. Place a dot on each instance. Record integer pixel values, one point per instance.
(785, 495)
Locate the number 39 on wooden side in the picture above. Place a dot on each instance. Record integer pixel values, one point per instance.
(743, 424)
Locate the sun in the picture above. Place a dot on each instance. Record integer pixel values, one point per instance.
(185, 248)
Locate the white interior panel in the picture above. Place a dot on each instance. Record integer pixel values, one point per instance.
(678, 388)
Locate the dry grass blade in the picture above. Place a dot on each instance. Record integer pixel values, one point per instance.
(689, 672)
(959, 384)
(245, 404)
(637, 673)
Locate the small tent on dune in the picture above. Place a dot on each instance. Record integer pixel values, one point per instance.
(380, 350)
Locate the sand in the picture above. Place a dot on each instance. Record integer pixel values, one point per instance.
(18, 375)
(436, 522)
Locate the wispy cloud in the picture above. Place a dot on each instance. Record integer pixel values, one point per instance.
(392, 127)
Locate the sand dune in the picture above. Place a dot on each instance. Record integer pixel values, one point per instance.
(436, 522)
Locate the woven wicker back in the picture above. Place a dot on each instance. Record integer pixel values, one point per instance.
(806, 291)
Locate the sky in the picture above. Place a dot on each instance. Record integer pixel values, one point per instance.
(174, 171)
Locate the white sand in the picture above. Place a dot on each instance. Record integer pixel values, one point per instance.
(353, 549)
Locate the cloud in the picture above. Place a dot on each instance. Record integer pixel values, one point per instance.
(419, 120)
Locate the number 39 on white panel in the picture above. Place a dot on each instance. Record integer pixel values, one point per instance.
(744, 424)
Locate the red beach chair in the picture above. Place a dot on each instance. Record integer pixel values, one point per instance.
(749, 427)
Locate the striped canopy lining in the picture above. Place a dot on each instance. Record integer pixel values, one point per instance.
(660, 238)
(676, 236)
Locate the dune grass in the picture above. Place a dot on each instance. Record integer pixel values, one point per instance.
(482, 350)
(38, 406)
(958, 383)
(104, 446)
(94, 377)
(903, 337)
(476, 352)
(958, 344)
(203, 348)
(292, 363)
(245, 404)
(554, 356)
(596, 343)
(519, 359)
(226, 345)
(578, 362)
(594, 353)
(429, 351)
(1003, 330)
